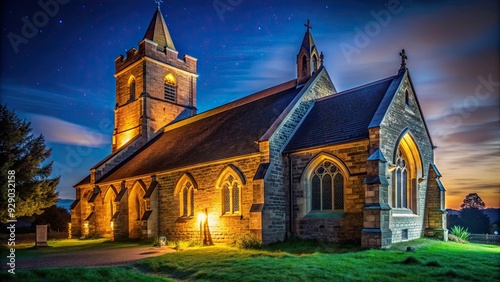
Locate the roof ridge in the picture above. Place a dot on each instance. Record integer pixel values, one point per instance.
(234, 104)
(355, 88)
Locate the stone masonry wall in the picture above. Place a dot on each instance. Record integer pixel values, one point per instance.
(346, 227)
(400, 117)
(223, 228)
(275, 194)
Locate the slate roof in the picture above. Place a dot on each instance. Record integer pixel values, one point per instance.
(86, 180)
(342, 117)
(228, 131)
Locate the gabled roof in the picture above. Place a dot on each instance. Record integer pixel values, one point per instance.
(228, 131)
(84, 181)
(341, 117)
(158, 32)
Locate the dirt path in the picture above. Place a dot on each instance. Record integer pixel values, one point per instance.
(102, 257)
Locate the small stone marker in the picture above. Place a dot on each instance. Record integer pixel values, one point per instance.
(41, 236)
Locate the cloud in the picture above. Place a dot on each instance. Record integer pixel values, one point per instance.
(62, 132)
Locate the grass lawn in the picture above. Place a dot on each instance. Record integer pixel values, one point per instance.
(432, 261)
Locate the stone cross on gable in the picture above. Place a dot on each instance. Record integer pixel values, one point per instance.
(158, 2)
(403, 58)
(308, 26)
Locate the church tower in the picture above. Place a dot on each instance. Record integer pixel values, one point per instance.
(153, 87)
(308, 59)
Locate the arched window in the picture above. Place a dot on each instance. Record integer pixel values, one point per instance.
(231, 194)
(401, 182)
(407, 168)
(187, 199)
(170, 87)
(315, 63)
(184, 189)
(131, 87)
(327, 188)
(304, 64)
(231, 181)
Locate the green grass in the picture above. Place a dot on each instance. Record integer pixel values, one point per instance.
(432, 261)
(108, 274)
(302, 261)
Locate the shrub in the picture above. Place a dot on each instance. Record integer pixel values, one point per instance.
(249, 242)
(460, 232)
(454, 238)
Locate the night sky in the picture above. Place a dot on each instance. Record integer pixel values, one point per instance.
(59, 76)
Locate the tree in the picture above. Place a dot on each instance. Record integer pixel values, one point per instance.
(23, 167)
(475, 220)
(56, 217)
(473, 201)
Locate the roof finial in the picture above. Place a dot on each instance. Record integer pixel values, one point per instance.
(308, 26)
(158, 2)
(403, 59)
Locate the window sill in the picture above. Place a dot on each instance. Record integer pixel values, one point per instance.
(184, 218)
(232, 215)
(315, 214)
(402, 212)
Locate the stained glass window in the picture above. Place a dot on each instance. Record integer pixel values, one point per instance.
(231, 191)
(327, 188)
(401, 182)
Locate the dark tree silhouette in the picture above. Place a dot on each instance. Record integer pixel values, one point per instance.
(56, 217)
(475, 220)
(21, 162)
(473, 201)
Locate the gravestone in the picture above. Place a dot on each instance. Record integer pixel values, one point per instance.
(41, 236)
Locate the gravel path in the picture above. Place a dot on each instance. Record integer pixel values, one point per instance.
(103, 257)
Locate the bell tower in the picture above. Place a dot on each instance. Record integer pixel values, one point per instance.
(308, 59)
(153, 87)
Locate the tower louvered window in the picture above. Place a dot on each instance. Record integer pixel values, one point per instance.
(170, 88)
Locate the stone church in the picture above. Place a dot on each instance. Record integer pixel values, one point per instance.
(295, 160)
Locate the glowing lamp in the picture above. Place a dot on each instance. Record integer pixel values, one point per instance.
(201, 217)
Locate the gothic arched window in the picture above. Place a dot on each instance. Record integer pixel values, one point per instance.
(231, 195)
(187, 199)
(407, 170)
(170, 88)
(401, 182)
(131, 88)
(327, 188)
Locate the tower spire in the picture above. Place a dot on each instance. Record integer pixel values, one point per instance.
(309, 59)
(158, 31)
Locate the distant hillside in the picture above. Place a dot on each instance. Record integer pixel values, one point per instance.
(65, 203)
(492, 213)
